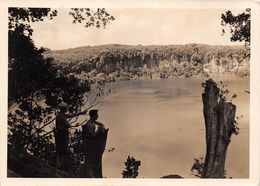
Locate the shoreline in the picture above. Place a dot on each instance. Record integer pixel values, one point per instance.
(96, 79)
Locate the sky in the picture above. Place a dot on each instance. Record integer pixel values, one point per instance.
(134, 27)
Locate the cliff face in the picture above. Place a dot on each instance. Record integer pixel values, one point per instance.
(132, 60)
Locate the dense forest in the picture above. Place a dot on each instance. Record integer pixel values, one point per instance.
(124, 62)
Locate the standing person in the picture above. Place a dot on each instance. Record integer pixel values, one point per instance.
(62, 134)
(94, 137)
(93, 127)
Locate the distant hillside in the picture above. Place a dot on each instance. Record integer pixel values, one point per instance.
(181, 60)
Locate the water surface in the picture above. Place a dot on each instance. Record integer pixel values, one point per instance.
(160, 122)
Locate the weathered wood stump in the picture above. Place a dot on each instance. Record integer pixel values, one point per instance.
(93, 149)
(219, 117)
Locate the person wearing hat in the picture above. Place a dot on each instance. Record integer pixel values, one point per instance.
(62, 134)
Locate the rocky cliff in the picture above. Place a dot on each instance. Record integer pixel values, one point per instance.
(129, 62)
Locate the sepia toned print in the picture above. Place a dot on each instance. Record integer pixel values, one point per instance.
(128, 93)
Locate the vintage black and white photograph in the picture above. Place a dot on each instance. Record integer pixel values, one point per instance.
(97, 92)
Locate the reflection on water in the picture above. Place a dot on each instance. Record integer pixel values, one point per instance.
(160, 122)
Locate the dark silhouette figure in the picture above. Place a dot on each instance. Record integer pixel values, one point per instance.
(94, 142)
(62, 135)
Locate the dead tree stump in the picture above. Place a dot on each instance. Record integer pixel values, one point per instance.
(219, 117)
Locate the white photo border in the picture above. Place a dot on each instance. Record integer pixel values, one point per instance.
(254, 168)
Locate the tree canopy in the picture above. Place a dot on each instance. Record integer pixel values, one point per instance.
(239, 25)
(98, 18)
(36, 85)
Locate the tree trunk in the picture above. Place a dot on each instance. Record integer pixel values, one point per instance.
(94, 148)
(219, 119)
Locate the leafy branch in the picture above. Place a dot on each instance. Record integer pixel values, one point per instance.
(131, 169)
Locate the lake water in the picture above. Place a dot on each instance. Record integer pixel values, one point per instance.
(160, 123)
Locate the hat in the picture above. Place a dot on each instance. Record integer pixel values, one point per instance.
(63, 106)
(93, 112)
